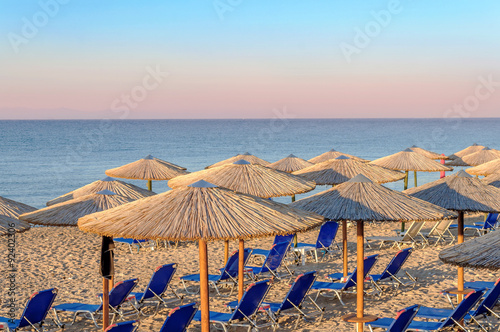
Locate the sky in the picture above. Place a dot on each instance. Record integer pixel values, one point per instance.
(64, 59)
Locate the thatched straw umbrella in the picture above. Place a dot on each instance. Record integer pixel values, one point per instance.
(8, 223)
(12, 208)
(245, 156)
(480, 253)
(457, 162)
(459, 192)
(489, 168)
(149, 168)
(482, 156)
(493, 180)
(108, 183)
(408, 160)
(247, 178)
(332, 154)
(468, 150)
(201, 212)
(67, 213)
(359, 199)
(428, 154)
(290, 164)
(342, 169)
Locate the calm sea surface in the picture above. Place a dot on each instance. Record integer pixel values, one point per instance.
(40, 160)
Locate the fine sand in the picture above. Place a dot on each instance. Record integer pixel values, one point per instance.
(68, 259)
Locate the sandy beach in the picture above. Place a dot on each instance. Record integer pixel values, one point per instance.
(68, 259)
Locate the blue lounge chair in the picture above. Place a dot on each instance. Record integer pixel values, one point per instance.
(156, 289)
(402, 320)
(277, 239)
(273, 261)
(129, 326)
(483, 310)
(481, 228)
(454, 317)
(244, 314)
(228, 275)
(117, 297)
(132, 243)
(34, 313)
(391, 271)
(479, 284)
(340, 288)
(325, 242)
(292, 303)
(491, 218)
(179, 318)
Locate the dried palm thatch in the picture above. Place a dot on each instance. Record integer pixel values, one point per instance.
(200, 211)
(148, 168)
(342, 169)
(483, 156)
(6, 222)
(480, 253)
(428, 154)
(332, 154)
(489, 168)
(290, 164)
(67, 213)
(457, 162)
(245, 156)
(468, 150)
(408, 160)
(246, 178)
(12, 208)
(492, 180)
(359, 199)
(108, 183)
(459, 192)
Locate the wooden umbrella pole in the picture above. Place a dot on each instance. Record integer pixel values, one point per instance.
(105, 303)
(406, 181)
(460, 239)
(150, 185)
(204, 296)
(241, 261)
(226, 251)
(360, 274)
(344, 246)
(293, 198)
(415, 176)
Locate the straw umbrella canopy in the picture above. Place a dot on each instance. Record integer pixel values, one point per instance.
(149, 168)
(12, 208)
(482, 156)
(359, 200)
(480, 253)
(108, 183)
(245, 156)
(408, 160)
(457, 162)
(67, 213)
(342, 169)
(489, 168)
(492, 180)
(428, 154)
(290, 164)
(332, 154)
(459, 192)
(202, 212)
(468, 150)
(8, 223)
(247, 178)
